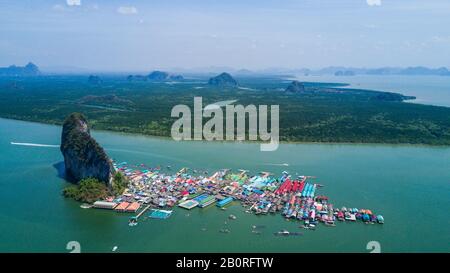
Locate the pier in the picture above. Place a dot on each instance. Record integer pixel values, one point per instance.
(142, 211)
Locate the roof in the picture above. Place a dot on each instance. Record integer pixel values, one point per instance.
(122, 206)
(133, 206)
(104, 203)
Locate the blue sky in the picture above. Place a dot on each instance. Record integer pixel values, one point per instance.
(113, 35)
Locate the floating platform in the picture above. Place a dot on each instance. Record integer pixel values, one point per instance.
(207, 201)
(224, 202)
(189, 204)
(160, 214)
(201, 197)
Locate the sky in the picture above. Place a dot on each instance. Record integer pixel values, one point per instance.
(113, 35)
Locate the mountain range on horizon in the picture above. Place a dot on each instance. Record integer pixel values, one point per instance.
(33, 70)
(29, 69)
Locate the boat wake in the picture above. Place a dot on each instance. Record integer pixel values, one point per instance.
(277, 164)
(34, 144)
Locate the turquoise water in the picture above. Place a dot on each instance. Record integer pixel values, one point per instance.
(433, 90)
(409, 185)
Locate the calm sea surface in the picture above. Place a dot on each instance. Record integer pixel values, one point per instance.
(408, 185)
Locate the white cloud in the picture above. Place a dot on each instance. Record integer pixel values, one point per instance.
(373, 2)
(439, 39)
(371, 26)
(58, 7)
(73, 2)
(127, 10)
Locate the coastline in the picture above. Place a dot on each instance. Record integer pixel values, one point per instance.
(360, 82)
(166, 138)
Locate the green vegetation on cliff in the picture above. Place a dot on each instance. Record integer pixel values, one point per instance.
(119, 183)
(88, 190)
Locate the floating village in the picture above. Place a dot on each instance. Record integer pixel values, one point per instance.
(153, 194)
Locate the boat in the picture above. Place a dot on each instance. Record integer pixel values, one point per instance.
(282, 233)
(114, 248)
(85, 206)
(340, 216)
(380, 219)
(365, 217)
(133, 221)
(232, 217)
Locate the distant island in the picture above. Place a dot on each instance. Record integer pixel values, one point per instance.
(338, 71)
(157, 76)
(223, 80)
(295, 87)
(28, 70)
(344, 73)
(93, 79)
(383, 71)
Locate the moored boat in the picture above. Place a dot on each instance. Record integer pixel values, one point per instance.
(380, 219)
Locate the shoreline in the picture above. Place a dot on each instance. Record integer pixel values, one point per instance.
(166, 138)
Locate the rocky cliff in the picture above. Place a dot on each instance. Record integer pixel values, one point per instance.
(163, 76)
(83, 156)
(223, 80)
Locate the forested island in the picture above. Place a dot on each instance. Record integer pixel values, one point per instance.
(309, 111)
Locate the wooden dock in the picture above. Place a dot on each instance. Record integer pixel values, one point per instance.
(142, 211)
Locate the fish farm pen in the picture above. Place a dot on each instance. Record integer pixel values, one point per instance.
(294, 198)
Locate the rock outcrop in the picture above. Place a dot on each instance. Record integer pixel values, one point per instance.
(156, 76)
(163, 76)
(29, 70)
(295, 87)
(137, 78)
(93, 79)
(83, 156)
(223, 80)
